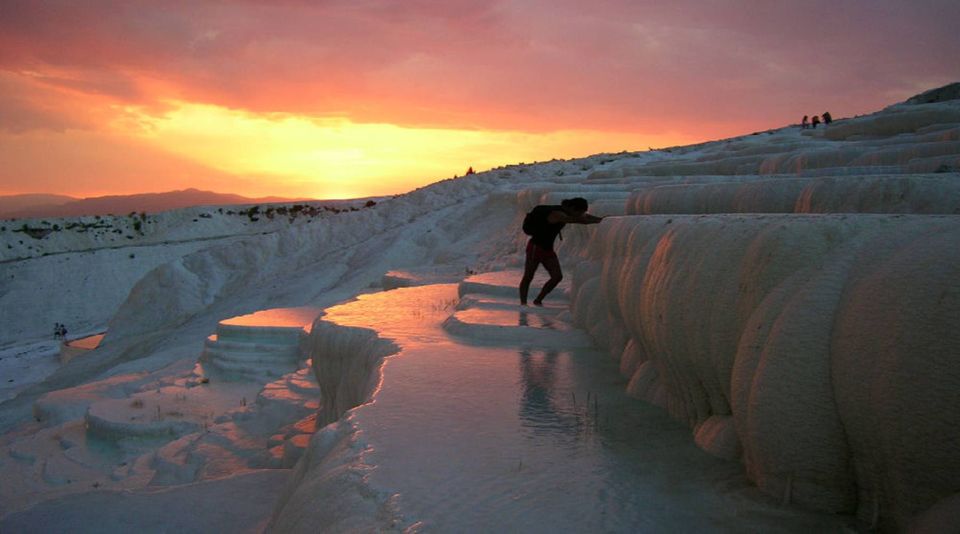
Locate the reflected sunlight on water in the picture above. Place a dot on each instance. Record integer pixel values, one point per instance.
(88, 343)
(279, 317)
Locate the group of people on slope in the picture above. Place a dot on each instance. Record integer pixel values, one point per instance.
(59, 331)
(807, 122)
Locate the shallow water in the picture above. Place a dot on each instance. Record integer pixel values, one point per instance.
(277, 317)
(488, 437)
(88, 343)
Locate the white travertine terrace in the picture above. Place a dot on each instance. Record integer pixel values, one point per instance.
(806, 323)
(791, 297)
(243, 351)
(814, 348)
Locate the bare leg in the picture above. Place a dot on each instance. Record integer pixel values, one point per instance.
(529, 269)
(556, 275)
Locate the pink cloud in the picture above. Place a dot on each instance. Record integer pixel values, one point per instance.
(30, 106)
(711, 68)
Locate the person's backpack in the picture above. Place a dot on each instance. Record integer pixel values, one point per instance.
(530, 222)
(535, 221)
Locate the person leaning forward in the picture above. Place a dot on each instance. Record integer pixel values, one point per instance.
(543, 224)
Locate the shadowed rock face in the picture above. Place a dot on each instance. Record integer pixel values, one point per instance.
(815, 348)
(940, 94)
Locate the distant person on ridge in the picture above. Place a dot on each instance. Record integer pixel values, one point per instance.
(815, 121)
(543, 225)
(805, 123)
(827, 118)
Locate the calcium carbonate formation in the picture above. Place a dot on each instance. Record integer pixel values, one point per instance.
(808, 323)
(791, 296)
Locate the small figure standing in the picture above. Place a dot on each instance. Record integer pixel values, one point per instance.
(470, 171)
(827, 118)
(56, 330)
(63, 332)
(805, 123)
(815, 121)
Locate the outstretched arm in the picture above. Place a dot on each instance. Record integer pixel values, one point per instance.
(557, 217)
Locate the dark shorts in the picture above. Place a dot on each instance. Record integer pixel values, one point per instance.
(539, 254)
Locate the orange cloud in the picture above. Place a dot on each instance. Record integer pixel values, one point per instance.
(269, 154)
(601, 76)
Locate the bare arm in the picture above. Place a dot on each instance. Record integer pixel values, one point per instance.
(557, 217)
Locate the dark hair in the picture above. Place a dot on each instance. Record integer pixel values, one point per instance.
(578, 204)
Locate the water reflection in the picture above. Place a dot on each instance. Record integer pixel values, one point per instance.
(88, 343)
(302, 316)
(536, 320)
(542, 407)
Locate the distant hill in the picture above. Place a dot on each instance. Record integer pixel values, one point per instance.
(940, 94)
(14, 203)
(33, 206)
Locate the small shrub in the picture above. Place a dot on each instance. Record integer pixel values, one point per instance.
(945, 168)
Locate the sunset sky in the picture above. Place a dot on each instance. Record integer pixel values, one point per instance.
(349, 98)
